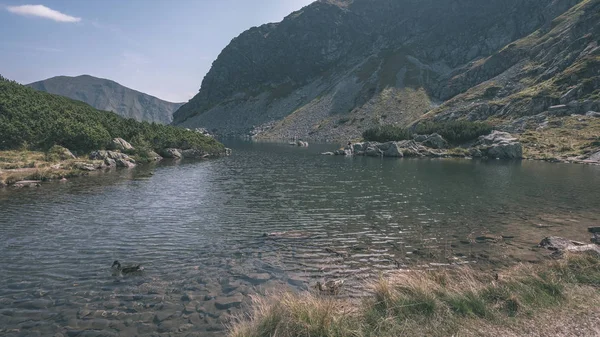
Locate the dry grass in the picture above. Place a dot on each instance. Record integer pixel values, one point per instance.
(32, 165)
(563, 138)
(456, 302)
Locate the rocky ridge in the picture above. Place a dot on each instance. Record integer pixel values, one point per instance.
(108, 95)
(335, 68)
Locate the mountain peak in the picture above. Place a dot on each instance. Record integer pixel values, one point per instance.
(105, 94)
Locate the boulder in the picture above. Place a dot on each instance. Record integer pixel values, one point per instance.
(328, 154)
(593, 114)
(98, 155)
(393, 150)
(555, 243)
(171, 153)
(358, 147)
(419, 138)
(373, 151)
(302, 144)
(154, 156)
(500, 145)
(62, 152)
(435, 141)
(224, 303)
(595, 157)
(84, 166)
(124, 163)
(596, 238)
(121, 144)
(110, 162)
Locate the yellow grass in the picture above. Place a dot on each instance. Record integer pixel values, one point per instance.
(453, 302)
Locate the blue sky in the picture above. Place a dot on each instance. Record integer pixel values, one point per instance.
(160, 47)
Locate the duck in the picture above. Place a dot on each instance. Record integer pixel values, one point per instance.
(127, 270)
(332, 287)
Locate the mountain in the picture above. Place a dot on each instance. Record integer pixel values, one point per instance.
(338, 67)
(110, 96)
(37, 120)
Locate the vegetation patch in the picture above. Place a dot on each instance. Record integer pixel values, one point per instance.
(35, 120)
(435, 303)
(455, 132)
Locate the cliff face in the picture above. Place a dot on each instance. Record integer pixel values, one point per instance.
(335, 68)
(107, 95)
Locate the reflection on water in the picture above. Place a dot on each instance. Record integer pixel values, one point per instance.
(197, 229)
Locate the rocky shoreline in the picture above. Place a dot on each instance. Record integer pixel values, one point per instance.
(497, 145)
(60, 163)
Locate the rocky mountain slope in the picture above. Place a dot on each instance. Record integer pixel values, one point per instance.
(108, 95)
(338, 67)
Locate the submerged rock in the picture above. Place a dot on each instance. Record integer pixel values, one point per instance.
(224, 303)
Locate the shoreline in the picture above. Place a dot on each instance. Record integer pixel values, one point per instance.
(517, 300)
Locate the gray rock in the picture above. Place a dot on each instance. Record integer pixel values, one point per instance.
(62, 152)
(419, 138)
(373, 151)
(98, 155)
(171, 153)
(121, 144)
(500, 145)
(257, 278)
(435, 141)
(162, 316)
(595, 157)
(358, 147)
(84, 166)
(124, 163)
(596, 238)
(558, 110)
(110, 162)
(224, 303)
(154, 156)
(555, 243)
(593, 114)
(393, 150)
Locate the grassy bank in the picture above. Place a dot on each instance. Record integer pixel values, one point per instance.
(456, 302)
(563, 138)
(22, 165)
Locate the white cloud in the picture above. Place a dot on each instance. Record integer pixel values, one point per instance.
(43, 12)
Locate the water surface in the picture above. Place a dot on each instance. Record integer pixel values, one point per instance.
(197, 229)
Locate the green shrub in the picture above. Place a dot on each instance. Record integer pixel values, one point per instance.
(456, 132)
(42, 120)
(386, 133)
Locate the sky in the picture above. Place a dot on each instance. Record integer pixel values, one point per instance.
(159, 47)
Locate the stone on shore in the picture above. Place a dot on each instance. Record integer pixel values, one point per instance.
(171, 153)
(121, 144)
(500, 145)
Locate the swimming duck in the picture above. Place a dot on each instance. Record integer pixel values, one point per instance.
(332, 287)
(126, 270)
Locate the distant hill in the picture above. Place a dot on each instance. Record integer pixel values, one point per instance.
(108, 95)
(37, 121)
